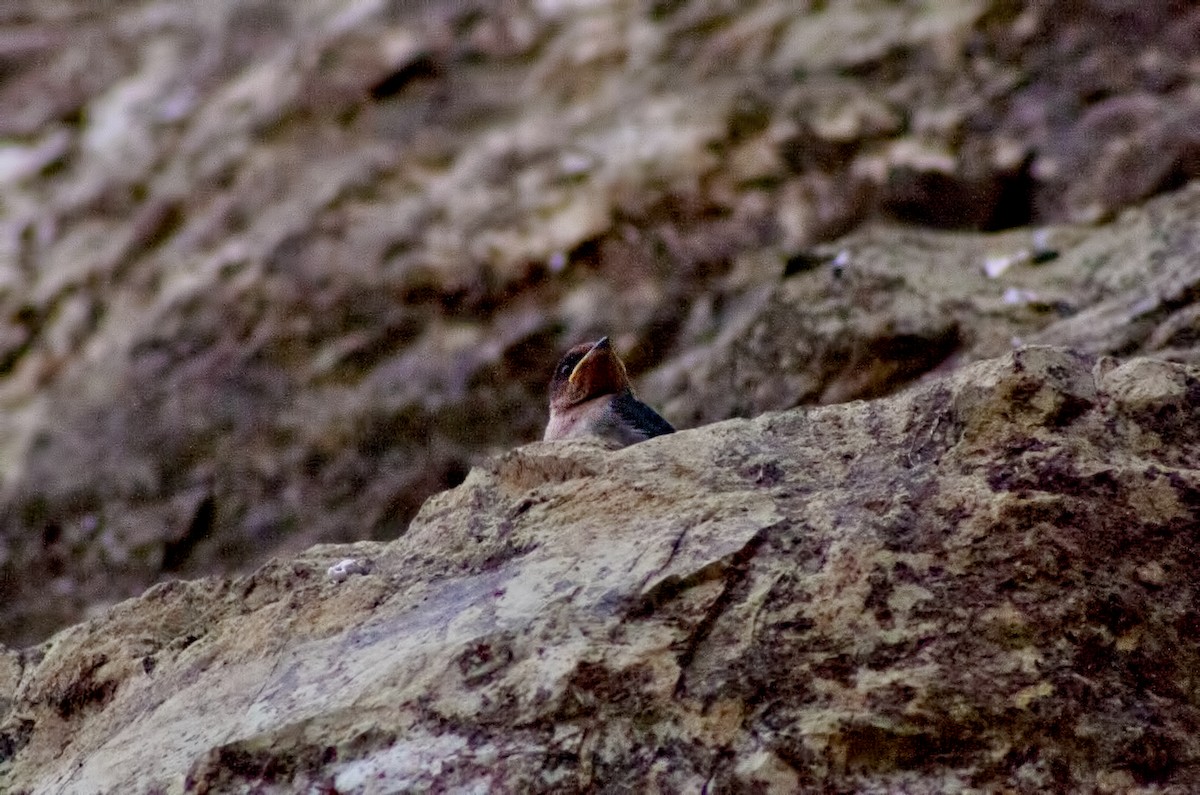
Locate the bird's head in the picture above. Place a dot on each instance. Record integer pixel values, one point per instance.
(587, 371)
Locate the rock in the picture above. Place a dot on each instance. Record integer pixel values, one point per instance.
(271, 275)
(882, 307)
(984, 582)
(343, 569)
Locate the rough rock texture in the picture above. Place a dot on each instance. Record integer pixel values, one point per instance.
(986, 582)
(271, 273)
(868, 314)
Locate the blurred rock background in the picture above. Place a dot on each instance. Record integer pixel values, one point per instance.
(272, 273)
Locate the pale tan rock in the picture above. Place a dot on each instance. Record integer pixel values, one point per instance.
(273, 273)
(970, 585)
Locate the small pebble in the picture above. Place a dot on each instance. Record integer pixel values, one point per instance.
(1043, 247)
(342, 570)
(1016, 296)
(840, 262)
(995, 265)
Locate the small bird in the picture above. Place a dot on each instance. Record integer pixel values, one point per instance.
(590, 395)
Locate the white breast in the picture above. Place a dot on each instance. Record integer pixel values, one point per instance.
(586, 419)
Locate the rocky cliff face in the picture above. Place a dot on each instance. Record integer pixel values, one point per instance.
(272, 274)
(986, 582)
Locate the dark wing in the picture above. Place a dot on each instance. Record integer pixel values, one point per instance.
(640, 416)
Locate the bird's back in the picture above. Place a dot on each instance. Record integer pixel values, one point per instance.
(636, 420)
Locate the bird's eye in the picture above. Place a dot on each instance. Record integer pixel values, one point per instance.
(567, 365)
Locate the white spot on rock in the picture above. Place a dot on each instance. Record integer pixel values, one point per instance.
(995, 265)
(341, 571)
(1014, 296)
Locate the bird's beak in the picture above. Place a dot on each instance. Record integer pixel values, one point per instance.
(601, 348)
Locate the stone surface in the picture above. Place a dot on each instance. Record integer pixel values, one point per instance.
(875, 310)
(985, 583)
(273, 273)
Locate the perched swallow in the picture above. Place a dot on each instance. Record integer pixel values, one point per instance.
(590, 395)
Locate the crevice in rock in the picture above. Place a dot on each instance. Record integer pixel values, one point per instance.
(423, 67)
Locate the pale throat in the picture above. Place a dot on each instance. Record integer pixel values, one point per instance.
(577, 420)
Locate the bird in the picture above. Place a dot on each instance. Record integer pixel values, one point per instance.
(590, 395)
